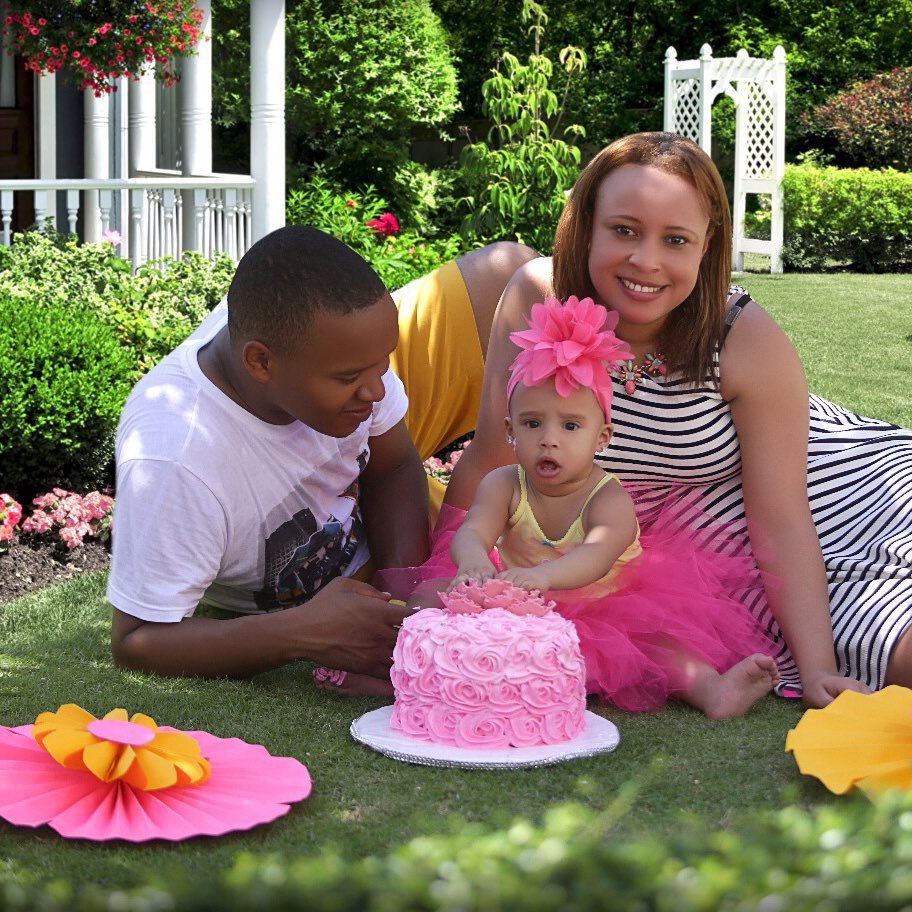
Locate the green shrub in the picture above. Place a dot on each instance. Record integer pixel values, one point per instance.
(847, 217)
(64, 378)
(398, 257)
(839, 859)
(150, 312)
(516, 181)
(871, 120)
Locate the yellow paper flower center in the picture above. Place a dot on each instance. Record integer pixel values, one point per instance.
(132, 750)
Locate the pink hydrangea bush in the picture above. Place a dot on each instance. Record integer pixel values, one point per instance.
(10, 514)
(442, 469)
(75, 517)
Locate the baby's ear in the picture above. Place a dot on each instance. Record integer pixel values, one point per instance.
(604, 437)
(508, 425)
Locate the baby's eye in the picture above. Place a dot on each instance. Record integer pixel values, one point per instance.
(531, 423)
(570, 425)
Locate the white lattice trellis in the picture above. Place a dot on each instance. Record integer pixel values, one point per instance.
(757, 87)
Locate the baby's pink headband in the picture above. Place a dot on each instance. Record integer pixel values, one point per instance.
(573, 342)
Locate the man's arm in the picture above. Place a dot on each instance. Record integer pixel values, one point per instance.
(394, 501)
(347, 625)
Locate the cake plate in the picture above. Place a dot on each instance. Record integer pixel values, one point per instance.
(373, 729)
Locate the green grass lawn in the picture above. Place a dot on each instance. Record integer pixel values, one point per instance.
(855, 335)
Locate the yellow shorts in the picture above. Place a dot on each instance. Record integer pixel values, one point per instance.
(439, 360)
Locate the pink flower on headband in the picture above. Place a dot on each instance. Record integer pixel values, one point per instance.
(573, 342)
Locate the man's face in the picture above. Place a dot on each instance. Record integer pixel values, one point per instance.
(332, 377)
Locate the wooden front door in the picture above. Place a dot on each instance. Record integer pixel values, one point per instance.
(17, 144)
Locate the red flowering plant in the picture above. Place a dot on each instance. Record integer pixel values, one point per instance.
(98, 41)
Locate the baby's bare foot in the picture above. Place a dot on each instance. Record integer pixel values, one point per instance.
(738, 689)
(346, 682)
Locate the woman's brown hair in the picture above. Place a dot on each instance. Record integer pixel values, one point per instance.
(695, 328)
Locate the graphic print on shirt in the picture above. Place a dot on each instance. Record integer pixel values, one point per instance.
(302, 556)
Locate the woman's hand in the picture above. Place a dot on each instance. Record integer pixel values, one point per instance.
(822, 688)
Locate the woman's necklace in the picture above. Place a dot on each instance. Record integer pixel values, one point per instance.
(630, 372)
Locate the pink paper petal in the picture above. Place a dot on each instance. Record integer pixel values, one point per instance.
(248, 786)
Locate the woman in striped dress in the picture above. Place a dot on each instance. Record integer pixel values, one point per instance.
(714, 417)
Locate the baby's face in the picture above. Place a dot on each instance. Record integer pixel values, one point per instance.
(556, 437)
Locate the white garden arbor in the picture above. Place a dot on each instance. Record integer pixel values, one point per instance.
(757, 87)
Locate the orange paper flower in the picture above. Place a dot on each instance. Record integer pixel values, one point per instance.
(859, 741)
(133, 750)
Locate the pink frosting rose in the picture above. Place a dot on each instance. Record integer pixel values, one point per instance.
(484, 728)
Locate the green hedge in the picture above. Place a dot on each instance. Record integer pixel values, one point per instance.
(64, 378)
(850, 217)
(849, 856)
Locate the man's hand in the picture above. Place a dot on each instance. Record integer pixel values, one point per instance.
(351, 626)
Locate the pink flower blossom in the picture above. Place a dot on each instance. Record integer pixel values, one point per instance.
(113, 237)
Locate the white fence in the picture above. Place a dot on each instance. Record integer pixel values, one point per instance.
(156, 216)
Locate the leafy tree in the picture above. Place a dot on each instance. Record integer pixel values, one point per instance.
(360, 74)
(516, 180)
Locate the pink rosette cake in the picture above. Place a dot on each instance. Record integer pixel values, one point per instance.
(494, 668)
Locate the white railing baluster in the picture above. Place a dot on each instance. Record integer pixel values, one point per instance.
(6, 214)
(137, 241)
(105, 203)
(40, 204)
(72, 208)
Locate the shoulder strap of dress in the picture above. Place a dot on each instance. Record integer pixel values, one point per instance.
(738, 299)
(608, 476)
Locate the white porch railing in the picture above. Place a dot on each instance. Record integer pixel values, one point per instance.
(156, 216)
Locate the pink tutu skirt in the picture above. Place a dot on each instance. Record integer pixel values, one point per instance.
(672, 608)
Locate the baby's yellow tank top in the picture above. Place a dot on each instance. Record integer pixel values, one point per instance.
(523, 544)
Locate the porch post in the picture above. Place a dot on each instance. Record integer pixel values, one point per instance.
(196, 120)
(267, 115)
(97, 158)
(141, 119)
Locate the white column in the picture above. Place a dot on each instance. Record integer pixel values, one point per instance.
(776, 228)
(196, 120)
(141, 122)
(267, 114)
(705, 140)
(97, 157)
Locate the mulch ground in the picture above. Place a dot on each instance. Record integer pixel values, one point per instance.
(30, 565)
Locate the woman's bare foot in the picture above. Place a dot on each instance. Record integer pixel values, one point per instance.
(346, 682)
(732, 694)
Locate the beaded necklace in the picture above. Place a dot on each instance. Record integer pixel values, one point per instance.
(630, 372)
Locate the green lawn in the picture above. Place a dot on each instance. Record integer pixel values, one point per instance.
(855, 334)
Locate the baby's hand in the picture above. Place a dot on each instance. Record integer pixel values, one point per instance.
(467, 572)
(527, 578)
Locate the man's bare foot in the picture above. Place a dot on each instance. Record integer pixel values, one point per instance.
(732, 694)
(346, 682)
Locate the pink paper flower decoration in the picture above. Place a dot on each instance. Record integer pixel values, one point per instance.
(247, 787)
(572, 342)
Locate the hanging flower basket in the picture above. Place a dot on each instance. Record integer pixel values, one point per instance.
(98, 41)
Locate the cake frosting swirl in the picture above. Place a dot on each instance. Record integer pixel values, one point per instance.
(496, 667)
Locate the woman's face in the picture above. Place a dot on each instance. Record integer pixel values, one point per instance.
(649, 234)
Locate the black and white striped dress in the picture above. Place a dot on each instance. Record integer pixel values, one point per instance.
(674, 442)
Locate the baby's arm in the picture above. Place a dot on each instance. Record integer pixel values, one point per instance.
(610, 525)
(483, 525)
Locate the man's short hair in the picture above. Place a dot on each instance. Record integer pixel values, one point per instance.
(288, 277)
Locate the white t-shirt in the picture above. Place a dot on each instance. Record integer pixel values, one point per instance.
(215, 506)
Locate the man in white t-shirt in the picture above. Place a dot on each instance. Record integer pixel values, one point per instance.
(259, 466)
